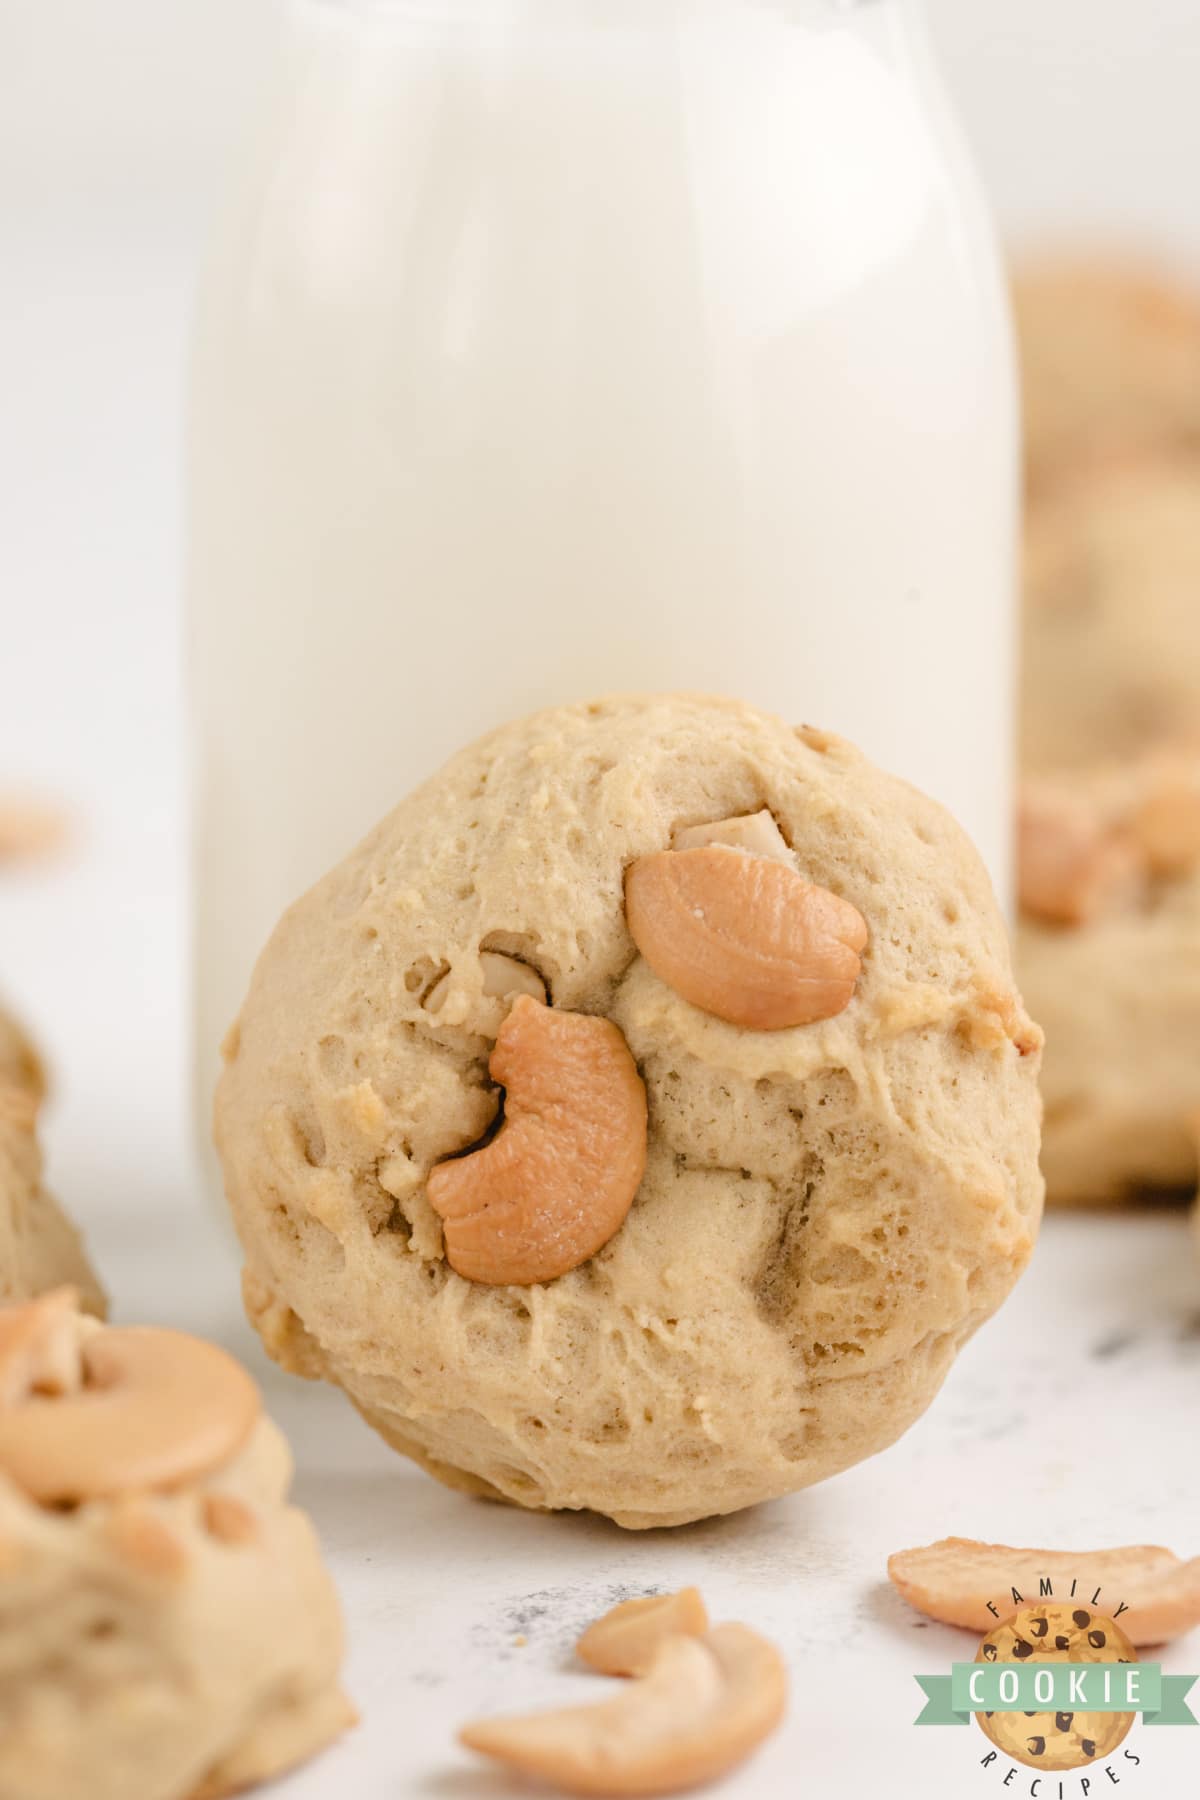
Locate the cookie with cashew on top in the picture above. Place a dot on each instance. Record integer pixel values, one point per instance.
(167, 1627)
(39, 1246)
(642, 1117)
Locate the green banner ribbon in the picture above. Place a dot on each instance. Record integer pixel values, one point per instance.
(1056, 1687)
(1174, 1709)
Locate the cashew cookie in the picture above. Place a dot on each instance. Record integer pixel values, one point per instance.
(167, 1628)
(642, 1117)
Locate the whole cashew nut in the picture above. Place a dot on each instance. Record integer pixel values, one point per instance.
(555, 1183)
(705, 1704)
(145, 1410)
(744, 937)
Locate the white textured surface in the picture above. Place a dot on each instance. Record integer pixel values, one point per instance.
(1070, 1421)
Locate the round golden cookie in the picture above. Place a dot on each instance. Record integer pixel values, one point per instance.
(827, 1211)
(1110, 359)
(1056, 1634)
(190, 1606)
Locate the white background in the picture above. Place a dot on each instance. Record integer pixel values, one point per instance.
(1082, 112)
(116, 118)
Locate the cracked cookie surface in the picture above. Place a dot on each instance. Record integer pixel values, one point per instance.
(827, 1211)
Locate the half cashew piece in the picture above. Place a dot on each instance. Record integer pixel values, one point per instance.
(705, 1704)
(627, 1639)
(745, 938)
(132, 1410)
(953, 1581)
(503, 978)
(555, 1183)
(756, 833)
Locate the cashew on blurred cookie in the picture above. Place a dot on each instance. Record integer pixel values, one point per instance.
(1109, 954)
(1108, 951)
(167, 1628)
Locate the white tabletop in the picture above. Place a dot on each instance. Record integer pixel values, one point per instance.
(1070, 1421)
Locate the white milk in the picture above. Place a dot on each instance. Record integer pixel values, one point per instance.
(564, 346)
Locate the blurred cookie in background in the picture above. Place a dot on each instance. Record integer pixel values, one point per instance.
(39, 1246)
(1112, 613)
(1108, 949)
(1110, 354)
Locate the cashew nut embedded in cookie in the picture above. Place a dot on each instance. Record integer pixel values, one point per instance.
(756, 833)
(555, 1183)
(705, 1704)
(627, 1639)
(133, 1410)
(744, 937)
(504, 977)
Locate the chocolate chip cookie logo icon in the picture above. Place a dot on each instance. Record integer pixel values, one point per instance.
(1056, 1687)
(1049, 1635)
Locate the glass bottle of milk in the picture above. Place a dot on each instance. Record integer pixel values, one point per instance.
(557, 347)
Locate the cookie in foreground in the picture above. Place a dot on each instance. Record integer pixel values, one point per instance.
(167, 1628)
(642, 1117)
